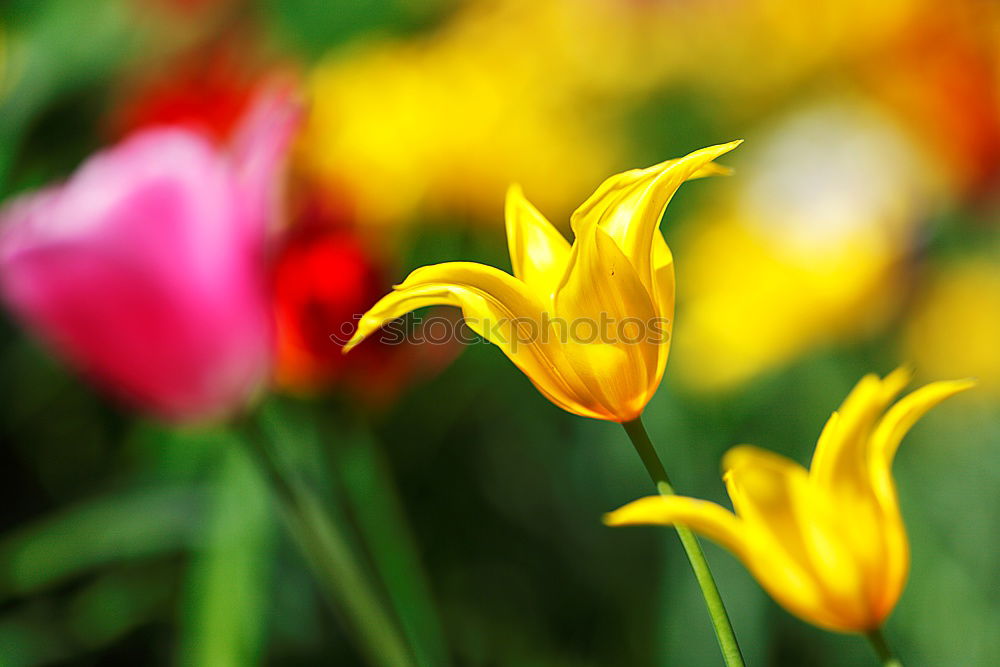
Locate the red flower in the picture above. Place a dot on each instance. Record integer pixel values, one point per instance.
(206, 91)
(324, 279)
(938, 76)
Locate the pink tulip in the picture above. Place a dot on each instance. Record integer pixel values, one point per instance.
(147, 268)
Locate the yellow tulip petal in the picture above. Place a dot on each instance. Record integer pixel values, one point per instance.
(713, 521)
(485, 294)
(904, 414)
(757, 479)
(767, 491)
(628, 206)
(496, 306)
(603, 303)
(841, 457)
(835, 438)
(663, 297)
(895, 567)
(829, 544)
(538, 252)
(885, 442)
(859, 523)
(663, 271)
(796, 548)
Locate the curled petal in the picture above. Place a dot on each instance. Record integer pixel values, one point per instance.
(538, 252)
(713, 521)
(663, 297)
(628, 206)
(766, 489)
(795, 543)
(499, 308)
(904, 414)
(884, 444)
(602, 294)
(839, 461)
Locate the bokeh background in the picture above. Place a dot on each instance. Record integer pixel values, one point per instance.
(860, 230)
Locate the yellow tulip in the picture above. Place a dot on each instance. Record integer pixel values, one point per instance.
(827, 543)
(589, 324)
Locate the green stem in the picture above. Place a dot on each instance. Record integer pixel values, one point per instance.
(716, 609)
(881, 646)
(332, 560)
(371, 490)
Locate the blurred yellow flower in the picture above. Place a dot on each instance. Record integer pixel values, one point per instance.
(801, 249)
(783, 41)
(588, 324)
(955, 323)
(827, 543)
(442, 124)
(535, 92)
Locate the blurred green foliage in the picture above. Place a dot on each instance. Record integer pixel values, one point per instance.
(312, 27)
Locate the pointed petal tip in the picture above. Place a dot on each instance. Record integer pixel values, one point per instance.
(631, 514)
(513, 197)
(723, 147)
(514, 189)
(962, 384)
(712, 168)
(736, 455)
(353, 343)
(901, 376)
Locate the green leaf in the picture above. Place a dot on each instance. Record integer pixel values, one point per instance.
(227, 598)
(379, 513)
(122, 527)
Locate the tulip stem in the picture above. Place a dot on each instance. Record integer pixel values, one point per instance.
(713, 600)
(330, 555)
(371, 491)
(882, 649)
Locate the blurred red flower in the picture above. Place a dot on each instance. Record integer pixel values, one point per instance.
(323, 273)
(206, 90)
(324, 279)
(938, 76)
